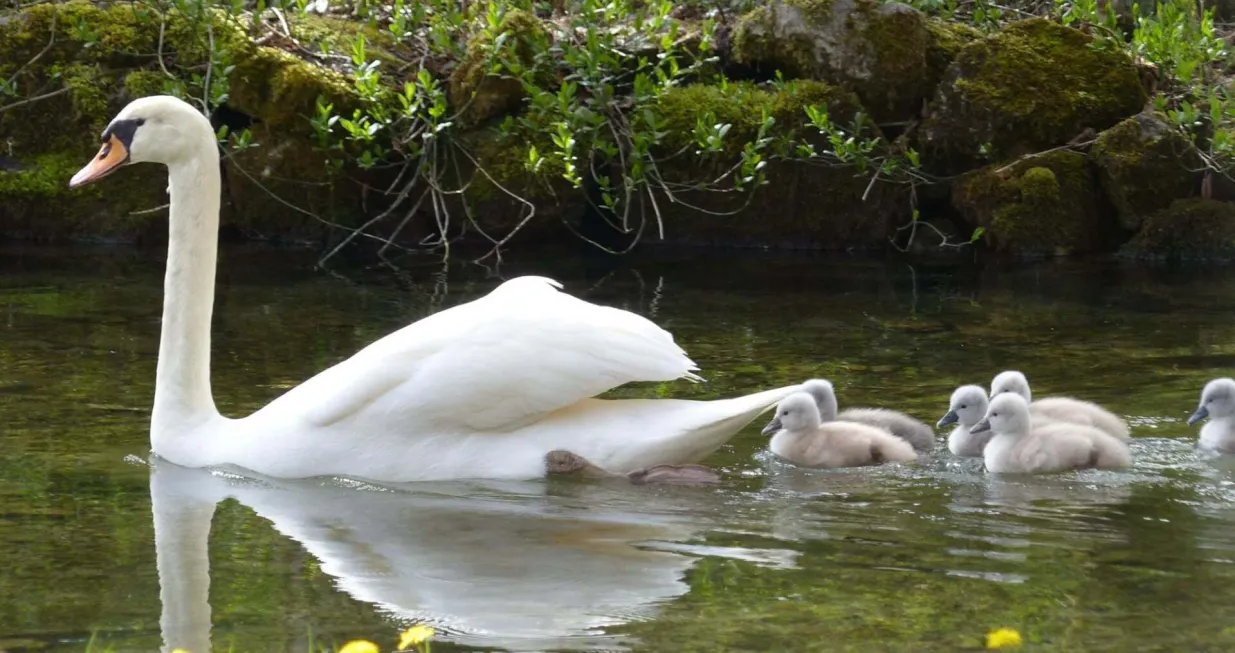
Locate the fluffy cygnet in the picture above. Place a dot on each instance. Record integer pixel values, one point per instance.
(917, 434)
(1020, 446)
(802, 438)
(1217, 405)
(966, 408)
(1062, 409)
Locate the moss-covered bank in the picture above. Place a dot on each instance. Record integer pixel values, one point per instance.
(996, 123)
(1032, 86)
(1041, 206)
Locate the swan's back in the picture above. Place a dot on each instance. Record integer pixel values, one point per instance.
(841, 444)
(918, 435)
(496, 363)
(1081, 412)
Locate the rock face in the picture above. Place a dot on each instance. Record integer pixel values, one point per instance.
(1030, 87)
(802, 205)
(1045, 205)
(51, 139)
(879, 50)
(1143, 165)
(1189, 229)
(479, 95)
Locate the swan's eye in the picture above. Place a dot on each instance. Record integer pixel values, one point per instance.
(963, 406)
(994, 414)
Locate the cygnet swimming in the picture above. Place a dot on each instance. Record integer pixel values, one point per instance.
(966, 408)
(917, 434)
(1020, 446)
(801, 437)
(1218, 406)
(1062, 409)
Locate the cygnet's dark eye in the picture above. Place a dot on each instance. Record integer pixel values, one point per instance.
(994, 414)
(963, 406)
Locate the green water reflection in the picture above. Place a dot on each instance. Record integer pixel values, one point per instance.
(924, 558)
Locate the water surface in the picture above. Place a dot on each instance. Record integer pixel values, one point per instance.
(913, 558)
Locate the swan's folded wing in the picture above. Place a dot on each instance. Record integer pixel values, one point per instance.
(500, 362)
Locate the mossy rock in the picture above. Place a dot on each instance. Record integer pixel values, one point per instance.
(36, 203)
(879, 50)
(1043, 205)
(802, 205)
(1030, 87)
(475, 91)
(281, 90)
(501, 168)
(106, 64)
(1143, 166)
(947, 39)
(1192, 229)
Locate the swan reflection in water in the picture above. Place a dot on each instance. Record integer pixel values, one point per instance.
(488, 564)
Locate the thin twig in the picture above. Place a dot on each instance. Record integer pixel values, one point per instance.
(36, 98)
(51, 41)
(1034, 155)
(209, 66)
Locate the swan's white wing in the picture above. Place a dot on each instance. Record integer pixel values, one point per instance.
(497, 363)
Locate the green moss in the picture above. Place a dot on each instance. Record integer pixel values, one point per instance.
(337, 35)
(102, 57)
(742, 104)
(144, 83)
(876, 49)
(1032, 86)
(1043, 205)
(947, 39)
(1189, 229)
(476, 93)
(38, 203)
(505, 158)
(46, 177)
(282, 90)
(1144, 165)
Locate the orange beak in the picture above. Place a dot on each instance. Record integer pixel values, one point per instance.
(112, 155)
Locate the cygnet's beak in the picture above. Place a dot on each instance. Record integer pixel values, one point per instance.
(984, 425)
(112, 155)
(1200, 414)
(772, 427)
(949, 417)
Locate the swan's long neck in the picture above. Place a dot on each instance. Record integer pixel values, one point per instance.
(182, 397)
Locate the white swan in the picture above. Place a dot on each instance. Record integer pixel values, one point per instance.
(1063, 409)
(917, 434)
(1218, 405)
(1022, 446)
(800, 437)
(966, 408)
(482, 390)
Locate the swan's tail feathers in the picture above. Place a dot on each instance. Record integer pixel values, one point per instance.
(633, 434)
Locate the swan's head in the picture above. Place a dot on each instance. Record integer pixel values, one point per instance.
(968, 406)
(1217, 401)
(825, 397)
(797, 412)
(156, 129)
(1011, 381)
(1008, 413)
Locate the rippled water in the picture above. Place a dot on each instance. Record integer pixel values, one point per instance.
(94, 541)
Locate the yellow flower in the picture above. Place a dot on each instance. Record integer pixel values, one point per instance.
(360, 646)
(1003, 638)
(417, 634)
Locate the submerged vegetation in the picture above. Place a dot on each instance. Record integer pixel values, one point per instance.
(422, 124)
